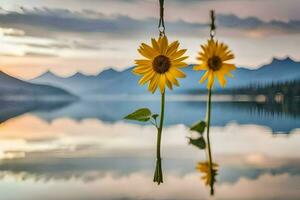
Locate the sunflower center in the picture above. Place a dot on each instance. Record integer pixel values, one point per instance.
(215, 63)
(161, 64)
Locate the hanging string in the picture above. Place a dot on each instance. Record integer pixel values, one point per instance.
(161, 23)
(212, 25)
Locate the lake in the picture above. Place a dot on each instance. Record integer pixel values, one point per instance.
(83, 150)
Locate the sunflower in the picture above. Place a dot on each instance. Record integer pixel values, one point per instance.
(161, 65)
(213, 58)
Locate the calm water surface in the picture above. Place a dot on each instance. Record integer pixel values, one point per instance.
(82, 150)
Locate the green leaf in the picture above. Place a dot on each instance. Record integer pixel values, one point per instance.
(154, 116)
(199, 127)
(200, 142)
(143, 115)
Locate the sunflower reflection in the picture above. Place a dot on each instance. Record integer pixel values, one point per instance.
(209, 173)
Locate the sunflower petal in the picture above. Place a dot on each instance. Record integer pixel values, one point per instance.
(180, 59)
(180, 65)
(178, 54)
(144, 53)
(146, 77)
(149, 50)
(176, 72)
(172, 48)
(226, 71)
(143, 62)
(204, 49)
(202, 57)
(163, 45)
(204, 77)
(211, 48)
(211, 79)
(221, 78)
(155, 44)
(142, 70)
(229, 66)
(228, 57)
(203, 66)
(162, 83)
(172, 78)
(169, 84)
(153, 83)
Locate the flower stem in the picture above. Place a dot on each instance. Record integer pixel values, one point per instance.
(208, 112)
(158, 175)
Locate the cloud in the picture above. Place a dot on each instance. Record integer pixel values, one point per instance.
(253, 24)
(88, 23)
(30, 54)
(51, 21)
(11, 32)
(59, 45)
(36, 54)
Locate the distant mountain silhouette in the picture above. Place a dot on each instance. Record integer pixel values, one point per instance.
(78, 83)
(124, 82)
(278, 70)
(14, 89)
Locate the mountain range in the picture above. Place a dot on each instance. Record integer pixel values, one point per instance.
(111, 81)
(15, 89)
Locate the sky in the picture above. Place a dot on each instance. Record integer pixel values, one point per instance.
(92, 35)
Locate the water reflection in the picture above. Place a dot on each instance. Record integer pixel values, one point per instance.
(277, 117)
(209, 173)
(97, 157)
(208, 168)
(11, 109)
(47, 152)
(137, 186)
